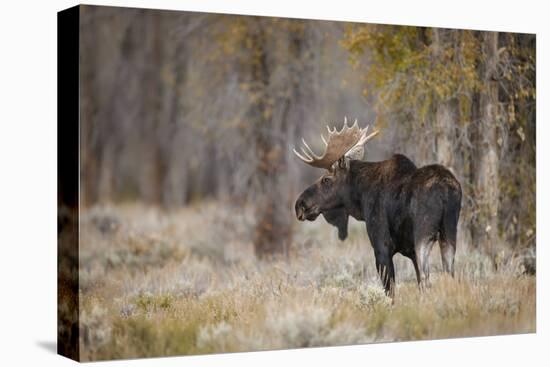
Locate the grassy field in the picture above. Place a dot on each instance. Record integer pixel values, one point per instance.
(156, 283)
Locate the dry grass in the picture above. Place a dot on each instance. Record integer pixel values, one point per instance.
(158, 283)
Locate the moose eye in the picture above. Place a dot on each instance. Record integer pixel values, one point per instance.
(325, 181)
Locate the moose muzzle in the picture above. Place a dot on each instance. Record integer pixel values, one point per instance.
(305, 211)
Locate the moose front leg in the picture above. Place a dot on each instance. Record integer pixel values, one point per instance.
(383, 252)
(385, 269)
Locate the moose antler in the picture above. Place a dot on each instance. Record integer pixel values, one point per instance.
(349, 142)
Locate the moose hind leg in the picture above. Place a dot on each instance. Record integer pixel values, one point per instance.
(422, 250)
(448, 250)
(447, 241)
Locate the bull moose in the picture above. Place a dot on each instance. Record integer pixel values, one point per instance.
(406, 209)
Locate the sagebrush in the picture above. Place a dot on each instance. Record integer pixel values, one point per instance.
(155, 282)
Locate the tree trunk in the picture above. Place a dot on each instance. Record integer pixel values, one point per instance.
(486, 176)
(153, 168)
(273, 230)
(444, 134)
(444, 116)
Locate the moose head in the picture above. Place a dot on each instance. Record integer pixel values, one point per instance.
(329, 194)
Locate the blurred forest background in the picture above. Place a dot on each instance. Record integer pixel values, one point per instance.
(181, 107)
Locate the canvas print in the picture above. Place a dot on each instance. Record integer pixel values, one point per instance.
(234, 183)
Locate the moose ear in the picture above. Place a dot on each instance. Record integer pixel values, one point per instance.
(343, 162)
